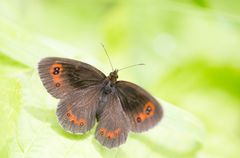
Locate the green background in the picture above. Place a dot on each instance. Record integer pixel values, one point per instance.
(191, 53)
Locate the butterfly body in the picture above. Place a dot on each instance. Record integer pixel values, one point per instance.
(88, 96)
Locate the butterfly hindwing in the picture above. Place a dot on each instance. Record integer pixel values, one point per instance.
(61, 76)
(113, 127)
(77, 112)
(142, 109)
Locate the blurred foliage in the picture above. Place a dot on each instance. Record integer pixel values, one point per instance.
(191, 52)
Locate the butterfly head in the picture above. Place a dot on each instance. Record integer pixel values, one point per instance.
(113, 76)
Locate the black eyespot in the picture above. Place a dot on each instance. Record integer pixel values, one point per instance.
(81, 124)
(56, 68)
(55, 72)
(68, 114)
(139, 119)
(58, 85)
(148, 110)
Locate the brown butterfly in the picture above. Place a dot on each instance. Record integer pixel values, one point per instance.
(87, 95)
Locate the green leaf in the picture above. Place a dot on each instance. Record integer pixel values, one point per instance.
(38, 133)
(10, 101)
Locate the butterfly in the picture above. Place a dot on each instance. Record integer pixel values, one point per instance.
(88, 96)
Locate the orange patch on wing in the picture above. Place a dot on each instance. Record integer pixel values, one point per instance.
(103, 131)
(117, 132)
(148, 111)
(143, 116)
(56, 73)
(110, 134)
(75, 120)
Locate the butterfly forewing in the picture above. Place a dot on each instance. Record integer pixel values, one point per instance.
(142, 109)
(61, 76)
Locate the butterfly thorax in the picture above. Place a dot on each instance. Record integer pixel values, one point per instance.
(113, 76)
(110, 82)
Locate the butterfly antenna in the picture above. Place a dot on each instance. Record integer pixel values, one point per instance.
(131, 66)
(107, 56)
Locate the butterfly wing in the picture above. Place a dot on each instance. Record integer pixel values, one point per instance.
(61, 76)
(113, 126)
(77, 112)
(143, 110)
